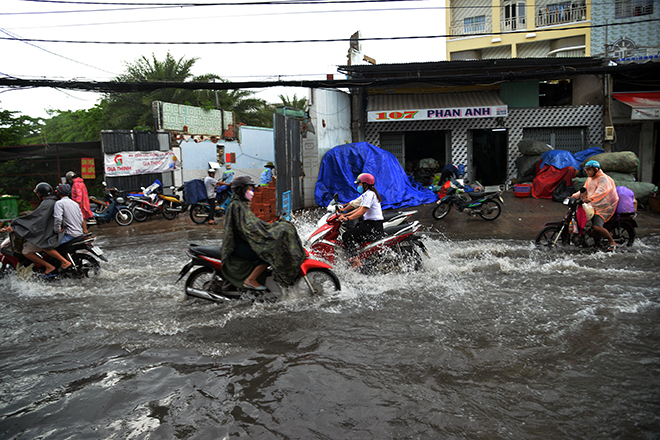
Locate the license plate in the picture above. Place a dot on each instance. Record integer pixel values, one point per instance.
(97, 250)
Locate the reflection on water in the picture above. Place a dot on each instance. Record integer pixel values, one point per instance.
(491, 339)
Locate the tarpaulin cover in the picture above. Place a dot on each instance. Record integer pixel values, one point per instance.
(342, 164)
(194, 191)
(548, 178)
(581, 156)
(559, 159)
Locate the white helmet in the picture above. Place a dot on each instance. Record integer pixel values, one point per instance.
(589, 210)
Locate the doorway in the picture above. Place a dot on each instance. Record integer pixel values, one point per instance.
(489, 156)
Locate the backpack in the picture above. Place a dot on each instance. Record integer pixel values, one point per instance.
(626, 200)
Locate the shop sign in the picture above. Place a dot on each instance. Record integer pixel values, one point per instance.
(438, 113)
(87, 168)
(130, 163)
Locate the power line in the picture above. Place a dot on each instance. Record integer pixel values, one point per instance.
(256, 3)
(333, 40)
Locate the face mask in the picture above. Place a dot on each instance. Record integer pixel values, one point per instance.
(249, 194)
(360, 189)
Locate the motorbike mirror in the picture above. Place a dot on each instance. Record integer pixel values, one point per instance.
(335, 197)
(567, 200)
(104, 184)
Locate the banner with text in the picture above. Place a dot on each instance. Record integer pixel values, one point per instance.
(130, 163)
(437, 113)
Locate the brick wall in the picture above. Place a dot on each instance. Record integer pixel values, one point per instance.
(264, 203)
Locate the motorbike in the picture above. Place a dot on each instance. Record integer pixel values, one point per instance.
(148, 203)
(566, 232)
(173, 205)
(97, 205)
(117, 210)
(199, 211)
(389, 218)
(206, 282)
(81, 252)
(485, 205)
(397, 244)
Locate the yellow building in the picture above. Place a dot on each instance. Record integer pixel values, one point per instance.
(517, 29)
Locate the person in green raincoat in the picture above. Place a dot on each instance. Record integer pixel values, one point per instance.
(250, 244)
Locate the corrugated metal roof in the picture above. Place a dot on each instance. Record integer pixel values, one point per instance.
(437, 100)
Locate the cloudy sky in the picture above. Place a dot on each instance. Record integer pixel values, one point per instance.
(79, 28)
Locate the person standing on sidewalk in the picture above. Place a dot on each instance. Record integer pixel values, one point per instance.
(211, 184)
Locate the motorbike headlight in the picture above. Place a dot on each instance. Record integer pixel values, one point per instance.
(120, 200)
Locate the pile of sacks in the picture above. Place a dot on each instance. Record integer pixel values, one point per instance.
(531, 151)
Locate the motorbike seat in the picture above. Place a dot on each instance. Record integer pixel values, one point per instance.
(209, 251)
(392, 230)
(387, 216)
(70, 243)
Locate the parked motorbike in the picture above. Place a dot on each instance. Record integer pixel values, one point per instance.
(173, 205)
(97, 205)
(80, 251)
(398, 244)
(485, 205)
(117, 210)
(207, 282)
(148, 203)
(199, 211)
(566, 232)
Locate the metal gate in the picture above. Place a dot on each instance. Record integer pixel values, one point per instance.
(288, 161)
(394, 143)
(571, 139)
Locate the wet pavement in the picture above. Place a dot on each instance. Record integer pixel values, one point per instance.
(521, 219)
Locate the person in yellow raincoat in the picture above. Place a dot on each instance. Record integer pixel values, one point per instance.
(601, 193)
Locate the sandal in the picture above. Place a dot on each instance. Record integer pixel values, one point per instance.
(611, 248)
(211, 222)
(249, 285)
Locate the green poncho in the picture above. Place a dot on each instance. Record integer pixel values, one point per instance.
(276, 243)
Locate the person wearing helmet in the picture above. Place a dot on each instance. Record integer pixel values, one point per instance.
(37, 231)
(68, 216)
(370, 211)
(250, 244)
(211, 184)
(79, 194)
(267, 174)
(600, 192)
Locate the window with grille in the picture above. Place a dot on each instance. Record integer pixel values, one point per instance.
(474, 25)
(632, 8)
(393, 142)
(572, 139)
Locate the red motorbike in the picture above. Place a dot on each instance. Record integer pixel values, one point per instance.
(397, 245)
(206, 282)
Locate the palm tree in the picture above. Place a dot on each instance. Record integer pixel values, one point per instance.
(133, 110)
(295, 102)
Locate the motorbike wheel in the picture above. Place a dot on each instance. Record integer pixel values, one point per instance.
(86, 265)
(124, 217)
(411, 255)
(492, 208)
(139, 216)
(6, 269)
(199, 214)
(208, 283)
(322, 280)
(168, 213)
(441, 210)
(623, 235)
(547, 237)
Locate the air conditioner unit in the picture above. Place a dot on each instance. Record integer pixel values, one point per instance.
(609, 133)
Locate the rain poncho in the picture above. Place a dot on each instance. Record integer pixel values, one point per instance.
(38, 226)
(601, 189)
(278, 244)
(80, 196)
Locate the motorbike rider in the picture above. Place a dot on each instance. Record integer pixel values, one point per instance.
(37, 231)
(601, 194)
(371, 226)
(68, 217)
(250, 244)
(211, 184)
(79, 194)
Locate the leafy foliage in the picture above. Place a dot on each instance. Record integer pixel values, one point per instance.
(295, 102)
(15, 128)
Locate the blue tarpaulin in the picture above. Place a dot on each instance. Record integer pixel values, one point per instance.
(342, 164)
(562, 158)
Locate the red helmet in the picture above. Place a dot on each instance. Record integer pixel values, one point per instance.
(367, 178)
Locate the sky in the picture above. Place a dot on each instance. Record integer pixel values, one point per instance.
(149, 21)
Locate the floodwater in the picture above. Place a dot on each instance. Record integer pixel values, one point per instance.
(492, 339)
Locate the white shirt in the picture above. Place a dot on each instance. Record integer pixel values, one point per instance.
(68, 216)
(370, 201)
(210, 184)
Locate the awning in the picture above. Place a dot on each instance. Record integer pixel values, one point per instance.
(645, 105)
(388, 108)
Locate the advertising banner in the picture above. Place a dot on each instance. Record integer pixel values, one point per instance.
(438, 113)
(87, 168)
(130, 163)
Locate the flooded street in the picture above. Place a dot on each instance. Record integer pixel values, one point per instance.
(492, 339)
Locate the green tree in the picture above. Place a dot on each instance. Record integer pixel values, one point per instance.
(295, 102)
(134, 111)
(14, 128)
(71, 126)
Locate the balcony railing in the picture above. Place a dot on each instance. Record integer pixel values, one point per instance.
(513, 24)
(546, 16)
(465, 30)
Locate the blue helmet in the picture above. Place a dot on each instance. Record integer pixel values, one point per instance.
(592, 164)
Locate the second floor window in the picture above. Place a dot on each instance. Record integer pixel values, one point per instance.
(513, 15)
(474, 25)
(632, 8)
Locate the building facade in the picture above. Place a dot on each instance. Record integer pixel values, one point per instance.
(517, 29)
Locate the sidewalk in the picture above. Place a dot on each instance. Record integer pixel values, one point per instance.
(521, 219)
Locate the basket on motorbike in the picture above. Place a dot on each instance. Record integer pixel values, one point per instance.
(522, 190)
